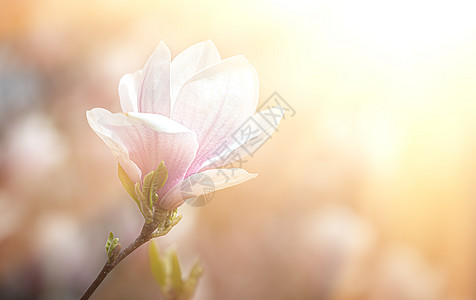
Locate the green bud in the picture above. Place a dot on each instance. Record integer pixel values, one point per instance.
(112, 247)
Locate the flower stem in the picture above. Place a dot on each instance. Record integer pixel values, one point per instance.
(144, 236)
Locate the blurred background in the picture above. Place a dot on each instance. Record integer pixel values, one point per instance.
(367, 192)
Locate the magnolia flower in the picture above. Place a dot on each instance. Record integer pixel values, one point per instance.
(186, 113)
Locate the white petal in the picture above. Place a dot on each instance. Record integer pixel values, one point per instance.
(154, 92)
(215, 102)
(189, 62)
(248, 138)
(113, 142)
(128, 88)
(203, 183)
(159, 123)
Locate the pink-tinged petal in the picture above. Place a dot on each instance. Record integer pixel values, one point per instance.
(189, 62)
(119, 150)
(215, 102)
(128, 88)
(150, 139)
(154, 92)
(248, 138)
(202, 183)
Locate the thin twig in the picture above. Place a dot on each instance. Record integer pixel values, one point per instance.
(144, 237)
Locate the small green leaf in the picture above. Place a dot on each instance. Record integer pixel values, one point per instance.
(167, 273)
(157, 266)
(147, 188)
(191, 283)
(111, 243)
(127, 183)
(144, 207)
(154, 181)
(161, 175)
(175, 273)
(110, 238)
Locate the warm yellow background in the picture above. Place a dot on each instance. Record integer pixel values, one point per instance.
(368, 192)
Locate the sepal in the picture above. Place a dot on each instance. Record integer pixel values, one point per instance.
(171, 219)
(127, 183)
(145, 194)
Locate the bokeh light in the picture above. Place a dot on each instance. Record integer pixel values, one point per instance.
(367, 192)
